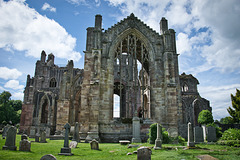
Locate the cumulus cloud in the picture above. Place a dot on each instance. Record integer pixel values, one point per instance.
(208, 28)
(219, 98)
(76, 2)
(24, 29)
(14, 84)
(6, 73)
(47, 7)
(17, 96)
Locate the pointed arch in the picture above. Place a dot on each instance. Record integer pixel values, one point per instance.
(44, 110)
(53, 83)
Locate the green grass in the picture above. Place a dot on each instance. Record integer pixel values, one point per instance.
(116, 151)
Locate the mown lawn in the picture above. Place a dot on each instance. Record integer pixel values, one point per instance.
(116, 151)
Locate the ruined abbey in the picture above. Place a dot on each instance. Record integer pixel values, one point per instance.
(129, 62)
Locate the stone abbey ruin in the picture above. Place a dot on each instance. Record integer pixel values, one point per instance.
(129, 61)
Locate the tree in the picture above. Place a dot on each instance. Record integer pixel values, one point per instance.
(10, 110)
(205, 117)
(226, 120)
(235, 110)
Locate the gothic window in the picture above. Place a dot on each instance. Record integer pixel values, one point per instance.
(185, 88)
(53, 83)
(44, 115)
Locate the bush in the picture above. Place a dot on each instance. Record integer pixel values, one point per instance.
(234, 143)
(153, 134)
(231, 134)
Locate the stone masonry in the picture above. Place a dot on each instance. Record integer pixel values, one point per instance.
(128, 60)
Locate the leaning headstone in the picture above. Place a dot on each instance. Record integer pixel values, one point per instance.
(66, 150)
(211, 134)
(136, 130)
(37, 137)
(5, 129)
(76, 132)
(10, 139)
(43, 137)
(73, 144)
(94, 145)
(190, 143)
(158, 141)
(24, 144)
(48, 157)
(198, 134)
(144, 153)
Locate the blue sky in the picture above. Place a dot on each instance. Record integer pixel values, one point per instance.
(207, 34)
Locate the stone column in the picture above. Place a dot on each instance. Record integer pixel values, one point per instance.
(136, 130)
(190, 143)
(158, 141)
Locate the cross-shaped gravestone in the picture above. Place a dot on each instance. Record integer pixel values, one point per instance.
(66, 150)
(66, 138)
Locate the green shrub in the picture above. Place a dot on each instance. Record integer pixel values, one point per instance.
(153, 134)
(231, 134)
(234, 143)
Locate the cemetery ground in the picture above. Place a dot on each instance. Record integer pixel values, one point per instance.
(117, 152)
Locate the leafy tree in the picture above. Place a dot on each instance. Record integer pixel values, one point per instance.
(10, 110)
(226, 120)
(205, 117)
(235, 111)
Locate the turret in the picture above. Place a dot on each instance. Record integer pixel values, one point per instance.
(43, 56)
(98, 22)
(163, 25)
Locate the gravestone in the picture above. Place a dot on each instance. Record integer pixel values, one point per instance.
(10, 139)
(94, 145)
(66, 150)
(211, 134)
(5, 129)
(158, 141)
(144, 153)
(190, 143)
(43, 137)
(37, 137)
(32, 132)
(73, 144)
(48, 157)
(198, 134)
(136, 130)
(24, 144)
(76, 132)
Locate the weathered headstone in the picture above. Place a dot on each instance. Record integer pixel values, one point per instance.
(37, 137)
(136, 130)
(211, 134)
(32, 132)
(48, 157)
(190, 143)
(5, 129)
(24, 144)
(66, 150)
(94, 145)
(43, 137)
(73, 144)
(198, 134)
(10, 139)
(76, 132)
(158, 141)
(144, 153)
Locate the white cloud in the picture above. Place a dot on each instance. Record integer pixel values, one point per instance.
(218, 44)
(17, 96)
(76, 2)
(24, 29)
(219, 98)
(48, 7)
(6, 73)
(14, 84)
(98, 3)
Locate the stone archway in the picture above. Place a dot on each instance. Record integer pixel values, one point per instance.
(44, 111)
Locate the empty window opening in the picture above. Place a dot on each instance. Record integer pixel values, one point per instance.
(53, 83)
(116, 106)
